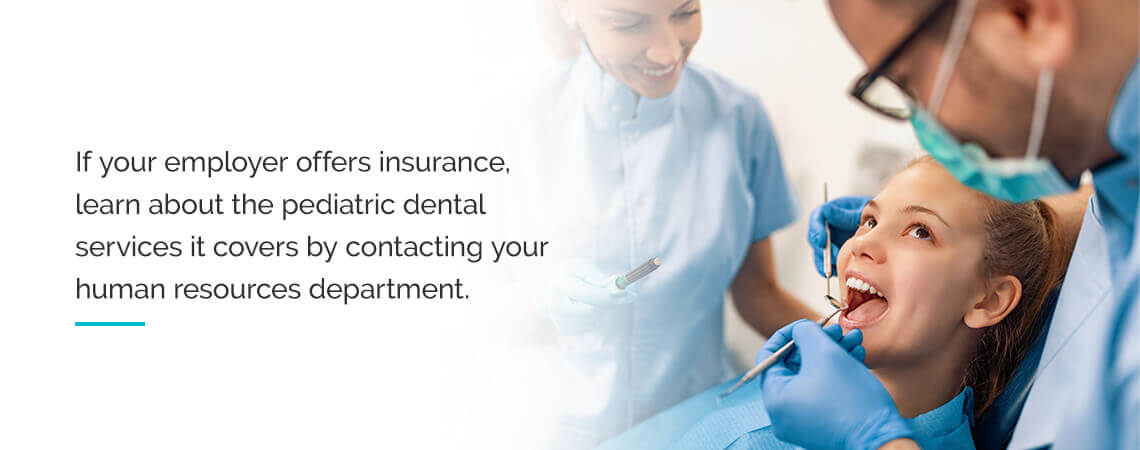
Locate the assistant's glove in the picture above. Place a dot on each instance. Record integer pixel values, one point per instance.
(586, 284)
(579, 294)
(843, 217)
(827, 398)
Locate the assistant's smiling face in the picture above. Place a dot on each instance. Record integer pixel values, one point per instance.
(642, 43)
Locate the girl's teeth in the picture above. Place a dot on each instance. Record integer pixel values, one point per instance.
(861, 285)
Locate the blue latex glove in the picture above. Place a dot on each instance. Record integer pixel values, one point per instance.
(827, 398)
(851, 343)
(842, 216)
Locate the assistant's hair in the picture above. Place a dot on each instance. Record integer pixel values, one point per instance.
(1023, 240)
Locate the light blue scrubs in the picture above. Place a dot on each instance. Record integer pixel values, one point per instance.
(1088, 394)
(740, 422)
(1082, 314)
(693, 178)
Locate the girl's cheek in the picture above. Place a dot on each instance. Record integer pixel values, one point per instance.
(841, 260)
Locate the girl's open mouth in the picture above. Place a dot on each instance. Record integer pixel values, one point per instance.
(866, 303)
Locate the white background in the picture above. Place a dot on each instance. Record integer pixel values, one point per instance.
(146, 77)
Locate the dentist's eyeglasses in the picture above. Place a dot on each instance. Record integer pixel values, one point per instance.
(879, 92)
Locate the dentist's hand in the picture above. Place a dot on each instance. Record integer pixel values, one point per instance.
(827, 398)
(843, 217)
(851, 343)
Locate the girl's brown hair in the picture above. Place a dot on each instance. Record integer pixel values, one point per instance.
(1022, 240)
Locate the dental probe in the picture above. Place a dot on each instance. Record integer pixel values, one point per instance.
(640, 272)
(769, 361)
(827, 253)
(835, 303)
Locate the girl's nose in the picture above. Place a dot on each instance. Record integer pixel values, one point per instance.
(869, 248)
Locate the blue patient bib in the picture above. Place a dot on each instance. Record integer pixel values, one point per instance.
(740, 421)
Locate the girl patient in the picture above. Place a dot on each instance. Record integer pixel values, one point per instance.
(946, 286)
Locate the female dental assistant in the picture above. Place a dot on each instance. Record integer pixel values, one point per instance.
(633, 154)
(1066, 75)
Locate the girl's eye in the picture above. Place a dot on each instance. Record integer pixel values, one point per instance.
(920, 232)
(869, 222)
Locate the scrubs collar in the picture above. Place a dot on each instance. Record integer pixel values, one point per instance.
(945, 419)
(1117, 182)
(611, 103)
(946, 425)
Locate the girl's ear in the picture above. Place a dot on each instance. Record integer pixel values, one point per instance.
(999, 299)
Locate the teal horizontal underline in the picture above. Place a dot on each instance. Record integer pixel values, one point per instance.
(110, 324)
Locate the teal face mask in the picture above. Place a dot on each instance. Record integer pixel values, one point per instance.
(1010, 179)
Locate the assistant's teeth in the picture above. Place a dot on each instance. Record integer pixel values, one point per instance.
(659, 73)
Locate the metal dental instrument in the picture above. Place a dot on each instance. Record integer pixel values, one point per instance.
(838, 304)
(640, 272)
(769, 361)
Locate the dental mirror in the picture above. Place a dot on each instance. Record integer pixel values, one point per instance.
(834, 302)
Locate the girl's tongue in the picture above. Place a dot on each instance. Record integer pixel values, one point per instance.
(868, 310)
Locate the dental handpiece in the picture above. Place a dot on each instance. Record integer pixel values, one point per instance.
(640, 272)
(770, 361)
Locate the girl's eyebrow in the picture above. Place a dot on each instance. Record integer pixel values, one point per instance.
(923, 210)
(910, 209)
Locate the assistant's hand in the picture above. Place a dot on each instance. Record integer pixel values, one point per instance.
(828, 398)
(577, 296)
(843, 217)
(586, 284)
